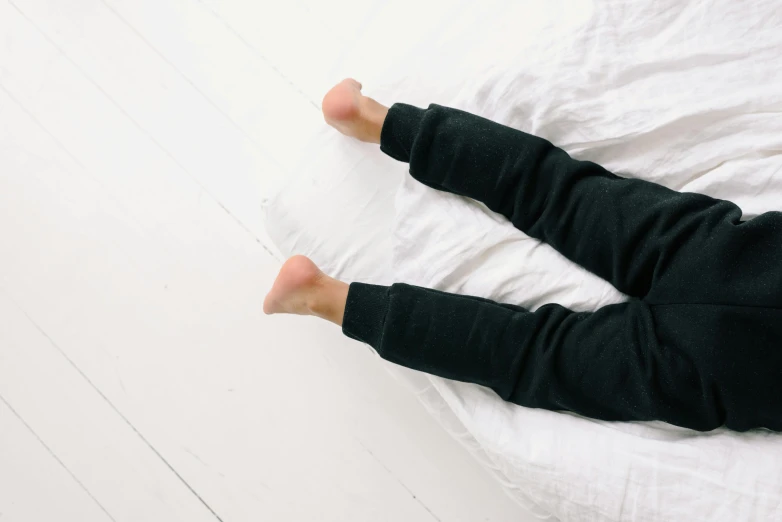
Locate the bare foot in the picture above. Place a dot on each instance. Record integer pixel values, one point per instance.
(302, 288)
(352, 113)
(293, 288)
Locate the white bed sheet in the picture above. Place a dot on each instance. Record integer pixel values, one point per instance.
(684, 94)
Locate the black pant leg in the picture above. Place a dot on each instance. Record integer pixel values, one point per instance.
(606, 365)
(630, 232)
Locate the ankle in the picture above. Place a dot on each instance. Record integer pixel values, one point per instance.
(373, 115)
(327, 299)
(315, 302)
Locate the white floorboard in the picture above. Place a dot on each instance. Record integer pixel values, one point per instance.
(138, 378)
(34, 483)
(112, 463)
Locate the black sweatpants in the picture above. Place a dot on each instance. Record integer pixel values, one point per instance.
(698, 345)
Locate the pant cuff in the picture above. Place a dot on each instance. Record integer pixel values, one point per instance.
(399, 130)
(365, 313)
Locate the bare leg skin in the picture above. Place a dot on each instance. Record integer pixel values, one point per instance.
(302, 289)
(352, 113)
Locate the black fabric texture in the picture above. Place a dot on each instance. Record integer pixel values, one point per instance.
(699, 344)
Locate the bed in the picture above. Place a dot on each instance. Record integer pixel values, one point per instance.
(686, 94)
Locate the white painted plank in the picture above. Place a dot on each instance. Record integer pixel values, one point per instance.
(302, 43)
(97, 447)
(178, 119)
(119, 156)
(34, 485)
(231, 74)
(46, 198)
(314, 44)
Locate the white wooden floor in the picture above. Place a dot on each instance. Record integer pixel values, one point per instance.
(139, 380)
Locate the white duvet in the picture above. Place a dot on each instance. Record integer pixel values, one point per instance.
(687, 94)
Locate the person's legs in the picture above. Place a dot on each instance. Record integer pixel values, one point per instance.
(623, 362)
(633, 361)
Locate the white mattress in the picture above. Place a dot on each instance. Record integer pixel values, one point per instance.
(684, 94)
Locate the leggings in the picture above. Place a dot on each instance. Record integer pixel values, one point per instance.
(699, 343)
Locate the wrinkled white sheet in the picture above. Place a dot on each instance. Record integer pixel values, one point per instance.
(684, 94)
(687, 94)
